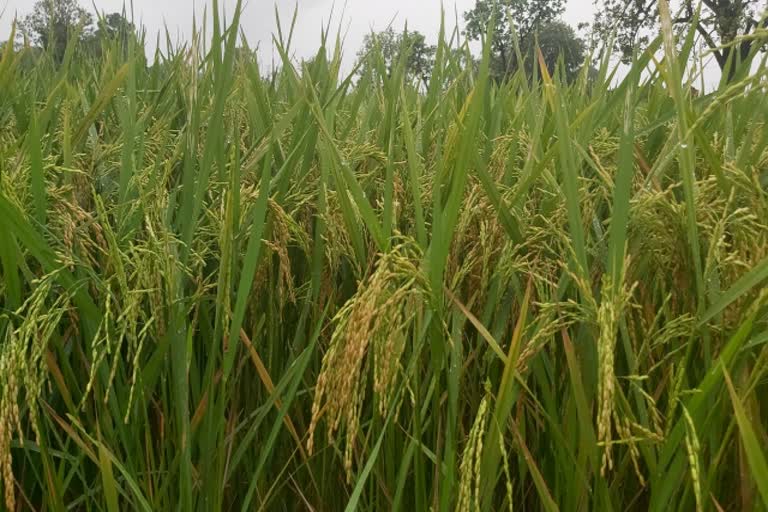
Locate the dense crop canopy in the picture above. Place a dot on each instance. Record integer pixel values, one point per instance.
(220, 291)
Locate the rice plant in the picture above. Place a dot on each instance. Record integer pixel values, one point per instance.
(332, 289)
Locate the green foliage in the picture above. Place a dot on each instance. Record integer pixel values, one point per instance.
(526, 25)
(526, 16)
(389, 45)
(730, 29)
(110, 28)
(223, 291)
(52, 23)
(556, 40)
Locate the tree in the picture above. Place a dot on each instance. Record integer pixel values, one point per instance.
(111, 27)
(114, 25)
(420, 60)
(720, 25)
(463, 59)
(521, 16)
(52, 22)
(555, 40)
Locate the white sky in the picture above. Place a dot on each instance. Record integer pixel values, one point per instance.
(258, 18)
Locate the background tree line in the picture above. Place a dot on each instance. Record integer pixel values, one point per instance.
(51, 25)
(730, 29)
(527, 24)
